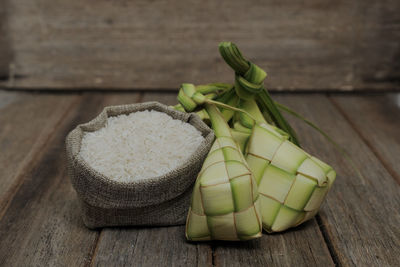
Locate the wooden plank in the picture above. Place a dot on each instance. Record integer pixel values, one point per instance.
(303, 246)
(157, 246)
(161, 246)
(27, 121)
(169, 99)
(376, 119)
(42, 225)
(361, 215)
(306, 45)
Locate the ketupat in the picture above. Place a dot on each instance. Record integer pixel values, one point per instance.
(292, 184)
(225, 200)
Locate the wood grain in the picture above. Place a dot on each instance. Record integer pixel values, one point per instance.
(42, 225)
(159, 246)
(377, 119)
(303, 246)
(361, 215)
(306, 45)
(169, 99)
(27, 121)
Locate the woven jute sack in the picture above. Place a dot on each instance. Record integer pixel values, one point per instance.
(162, 200)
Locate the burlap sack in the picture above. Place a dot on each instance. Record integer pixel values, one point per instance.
(161, 200)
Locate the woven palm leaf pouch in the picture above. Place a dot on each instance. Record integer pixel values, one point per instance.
(162, 200)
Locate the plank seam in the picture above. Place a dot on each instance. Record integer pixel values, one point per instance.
(386, 165)
(328, 241)
(36, 156)
(94, 250)
(213, 256)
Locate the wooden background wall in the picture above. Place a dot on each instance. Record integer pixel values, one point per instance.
(143, 44)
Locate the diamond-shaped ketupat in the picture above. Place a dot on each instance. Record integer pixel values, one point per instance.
(292, 184)
(225, 202)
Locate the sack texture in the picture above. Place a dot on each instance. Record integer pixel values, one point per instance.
(162, 200)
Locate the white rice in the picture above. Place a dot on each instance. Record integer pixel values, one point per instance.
(140, 145)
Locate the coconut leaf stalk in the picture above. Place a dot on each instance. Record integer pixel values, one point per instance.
(250, 106)
(249, 84)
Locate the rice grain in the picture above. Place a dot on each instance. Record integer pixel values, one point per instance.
(140, 145)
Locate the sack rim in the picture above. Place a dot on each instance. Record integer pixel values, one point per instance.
(165, 181)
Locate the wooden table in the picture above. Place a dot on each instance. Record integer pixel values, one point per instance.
(40, 223)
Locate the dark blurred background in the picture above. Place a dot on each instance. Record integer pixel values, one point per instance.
(102, 44)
